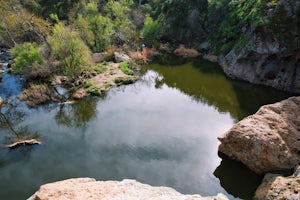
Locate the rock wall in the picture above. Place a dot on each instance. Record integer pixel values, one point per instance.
(271, 53)
(272, 69)
(267, 141)
(90, 189)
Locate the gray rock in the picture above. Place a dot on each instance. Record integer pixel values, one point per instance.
(90, 189)
(204, 46)
(268, 140)
(121, 57)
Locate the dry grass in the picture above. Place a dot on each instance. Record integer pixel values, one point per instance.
(185, 52)
(39, 71)
(143, 57)
(111, 49)
(36, 95)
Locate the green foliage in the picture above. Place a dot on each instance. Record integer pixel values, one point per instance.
(54, 17)
(25, 55)
(82, 26)
(87, 84)
(124, 80)
(183, 19)
(99, 68)
(152, 31)
(234, 18)
(102, 28)
(124, 66)
(118, 12)
(69, 49)
(94, 91)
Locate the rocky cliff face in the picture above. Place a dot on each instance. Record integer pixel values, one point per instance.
(267, 141)
(271, 53)
(90, 189)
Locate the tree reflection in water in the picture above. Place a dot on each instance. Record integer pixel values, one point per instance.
(9, 118)
(77, 114)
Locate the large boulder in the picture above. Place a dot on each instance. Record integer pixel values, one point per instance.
(277, 187)
(121, 57)
(90, 189)
(267, 141)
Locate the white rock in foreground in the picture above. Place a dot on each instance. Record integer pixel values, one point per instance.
(90, 189)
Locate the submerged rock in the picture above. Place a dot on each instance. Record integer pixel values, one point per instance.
(267, 141)
(23, 142)
(90, 189)
(275, 187)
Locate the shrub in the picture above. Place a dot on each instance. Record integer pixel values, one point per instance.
(25, 55)
(69, 49)
(94, 91)
(102, 29)
(125, 68)
(151, 31)
(124, 80)
(36, 95)
(87, 84)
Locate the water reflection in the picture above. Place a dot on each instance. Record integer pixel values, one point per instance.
(162, 130)
(205, 82)
(77, 114)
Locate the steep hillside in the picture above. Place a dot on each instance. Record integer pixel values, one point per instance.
(259, 41)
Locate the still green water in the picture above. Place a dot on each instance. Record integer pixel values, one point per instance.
(162, 130)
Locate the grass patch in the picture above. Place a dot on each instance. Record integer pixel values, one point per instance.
(94, 91)
(124, 80)
(99, 68)
(124, 66)
(87, 84)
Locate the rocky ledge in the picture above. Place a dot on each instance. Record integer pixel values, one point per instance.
(276, 187)
(267, 141)
(90, 189)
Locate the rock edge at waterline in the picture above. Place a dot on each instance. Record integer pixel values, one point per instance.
(90, 189)
(276, 187)
(267, 141)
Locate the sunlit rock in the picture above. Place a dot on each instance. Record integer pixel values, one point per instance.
(267, 141)
(275, 187)
(90, 189)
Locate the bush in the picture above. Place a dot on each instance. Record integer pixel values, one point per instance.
(151, 32)
(87, 84)
(124, 80)
(94, 91)
(125, 68)
(70, 50)
(102, 29)
(99, 68)
(25, 55)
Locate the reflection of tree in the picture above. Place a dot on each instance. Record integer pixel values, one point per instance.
(78, 114)
(19, 135)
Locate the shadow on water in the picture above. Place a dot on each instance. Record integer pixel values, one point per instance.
(205, 82)
(236, 178)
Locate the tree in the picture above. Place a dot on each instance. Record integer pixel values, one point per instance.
(25, 55)
(69, 49)
(151, 31)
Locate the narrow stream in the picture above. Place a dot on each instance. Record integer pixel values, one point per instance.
(162, 131)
